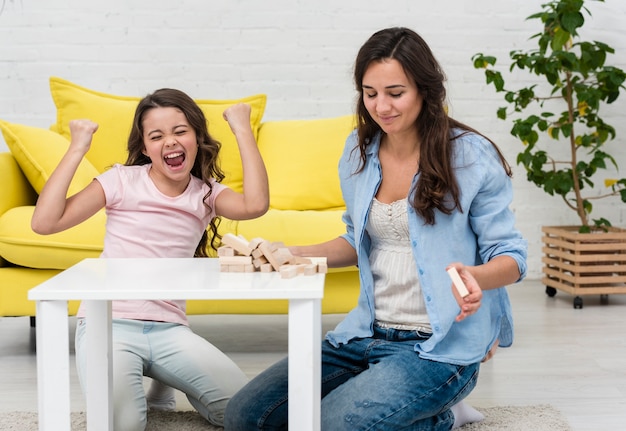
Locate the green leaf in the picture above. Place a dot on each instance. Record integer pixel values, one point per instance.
(571, 21)
(560, 38)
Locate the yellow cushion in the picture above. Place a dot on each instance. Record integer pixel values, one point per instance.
(301, 157)
(20, 193)
(21, 246)
(114, 114)
(38, 151)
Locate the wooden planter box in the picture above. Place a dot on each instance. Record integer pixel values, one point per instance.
(584, 263)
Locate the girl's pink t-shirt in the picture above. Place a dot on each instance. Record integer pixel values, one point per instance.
(143, 222)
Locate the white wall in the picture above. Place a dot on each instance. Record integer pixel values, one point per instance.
(298, 52)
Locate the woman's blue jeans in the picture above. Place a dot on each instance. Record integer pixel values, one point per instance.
(377, 383)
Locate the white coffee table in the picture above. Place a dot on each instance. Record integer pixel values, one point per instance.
(99, 281)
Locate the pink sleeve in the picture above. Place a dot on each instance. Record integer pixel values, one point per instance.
(111, 183)
(217, 189)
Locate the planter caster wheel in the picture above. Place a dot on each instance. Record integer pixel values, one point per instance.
(550, 291)
(578, 302)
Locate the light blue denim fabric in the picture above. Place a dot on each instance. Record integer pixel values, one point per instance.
(377, 383)
(168, 352)
(485, 229)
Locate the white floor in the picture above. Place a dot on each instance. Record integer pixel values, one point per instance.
(574, 359)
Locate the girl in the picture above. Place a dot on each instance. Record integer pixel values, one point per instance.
(159, 204)
(423, 192)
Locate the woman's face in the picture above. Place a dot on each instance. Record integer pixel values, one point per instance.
(391, 97)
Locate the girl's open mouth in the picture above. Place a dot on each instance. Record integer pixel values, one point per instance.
(174, 159)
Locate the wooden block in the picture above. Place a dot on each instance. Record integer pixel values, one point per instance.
(288, 266)
(224, 268)
(236, 268)
(238, 243)
(267, 253)
(318, 260)
(310, 269)
(259, 261)
(276, 245)
(254, 243)
(288, 271)
(249, 268)
(302, 260)
(267, 267)
(235, 260)
(225, 251)
(458, 282)
(284, 256)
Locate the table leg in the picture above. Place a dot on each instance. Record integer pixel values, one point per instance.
(53, 365)
(99, 378)
(305, 343)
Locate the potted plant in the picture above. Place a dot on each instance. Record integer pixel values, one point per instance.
(557, 119)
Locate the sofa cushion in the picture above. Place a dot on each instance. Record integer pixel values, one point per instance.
(114, 114)
(38, 151)
(20, 193)
(301, 157)
(21, 246)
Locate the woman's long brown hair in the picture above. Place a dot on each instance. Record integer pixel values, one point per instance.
(437, 187)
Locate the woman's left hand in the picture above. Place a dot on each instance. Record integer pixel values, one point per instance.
(471, 303)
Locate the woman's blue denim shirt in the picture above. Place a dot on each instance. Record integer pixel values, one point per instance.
(483, 230)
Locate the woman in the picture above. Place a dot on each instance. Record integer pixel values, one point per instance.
(423, 192)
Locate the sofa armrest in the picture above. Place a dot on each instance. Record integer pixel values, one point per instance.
(16, 190)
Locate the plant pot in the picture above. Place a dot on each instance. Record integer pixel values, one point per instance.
(584, 263)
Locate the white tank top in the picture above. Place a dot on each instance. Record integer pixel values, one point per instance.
(397, 293)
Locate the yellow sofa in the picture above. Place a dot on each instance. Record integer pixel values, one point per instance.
(305, 199)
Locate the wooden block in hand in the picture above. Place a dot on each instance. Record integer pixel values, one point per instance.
(458, 282)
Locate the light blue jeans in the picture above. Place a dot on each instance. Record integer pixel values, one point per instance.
(377, 383)
(170, 353)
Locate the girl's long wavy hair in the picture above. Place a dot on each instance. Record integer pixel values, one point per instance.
(437, 188)
(206, 164)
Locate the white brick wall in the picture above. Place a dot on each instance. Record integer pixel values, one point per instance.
(298, 52)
